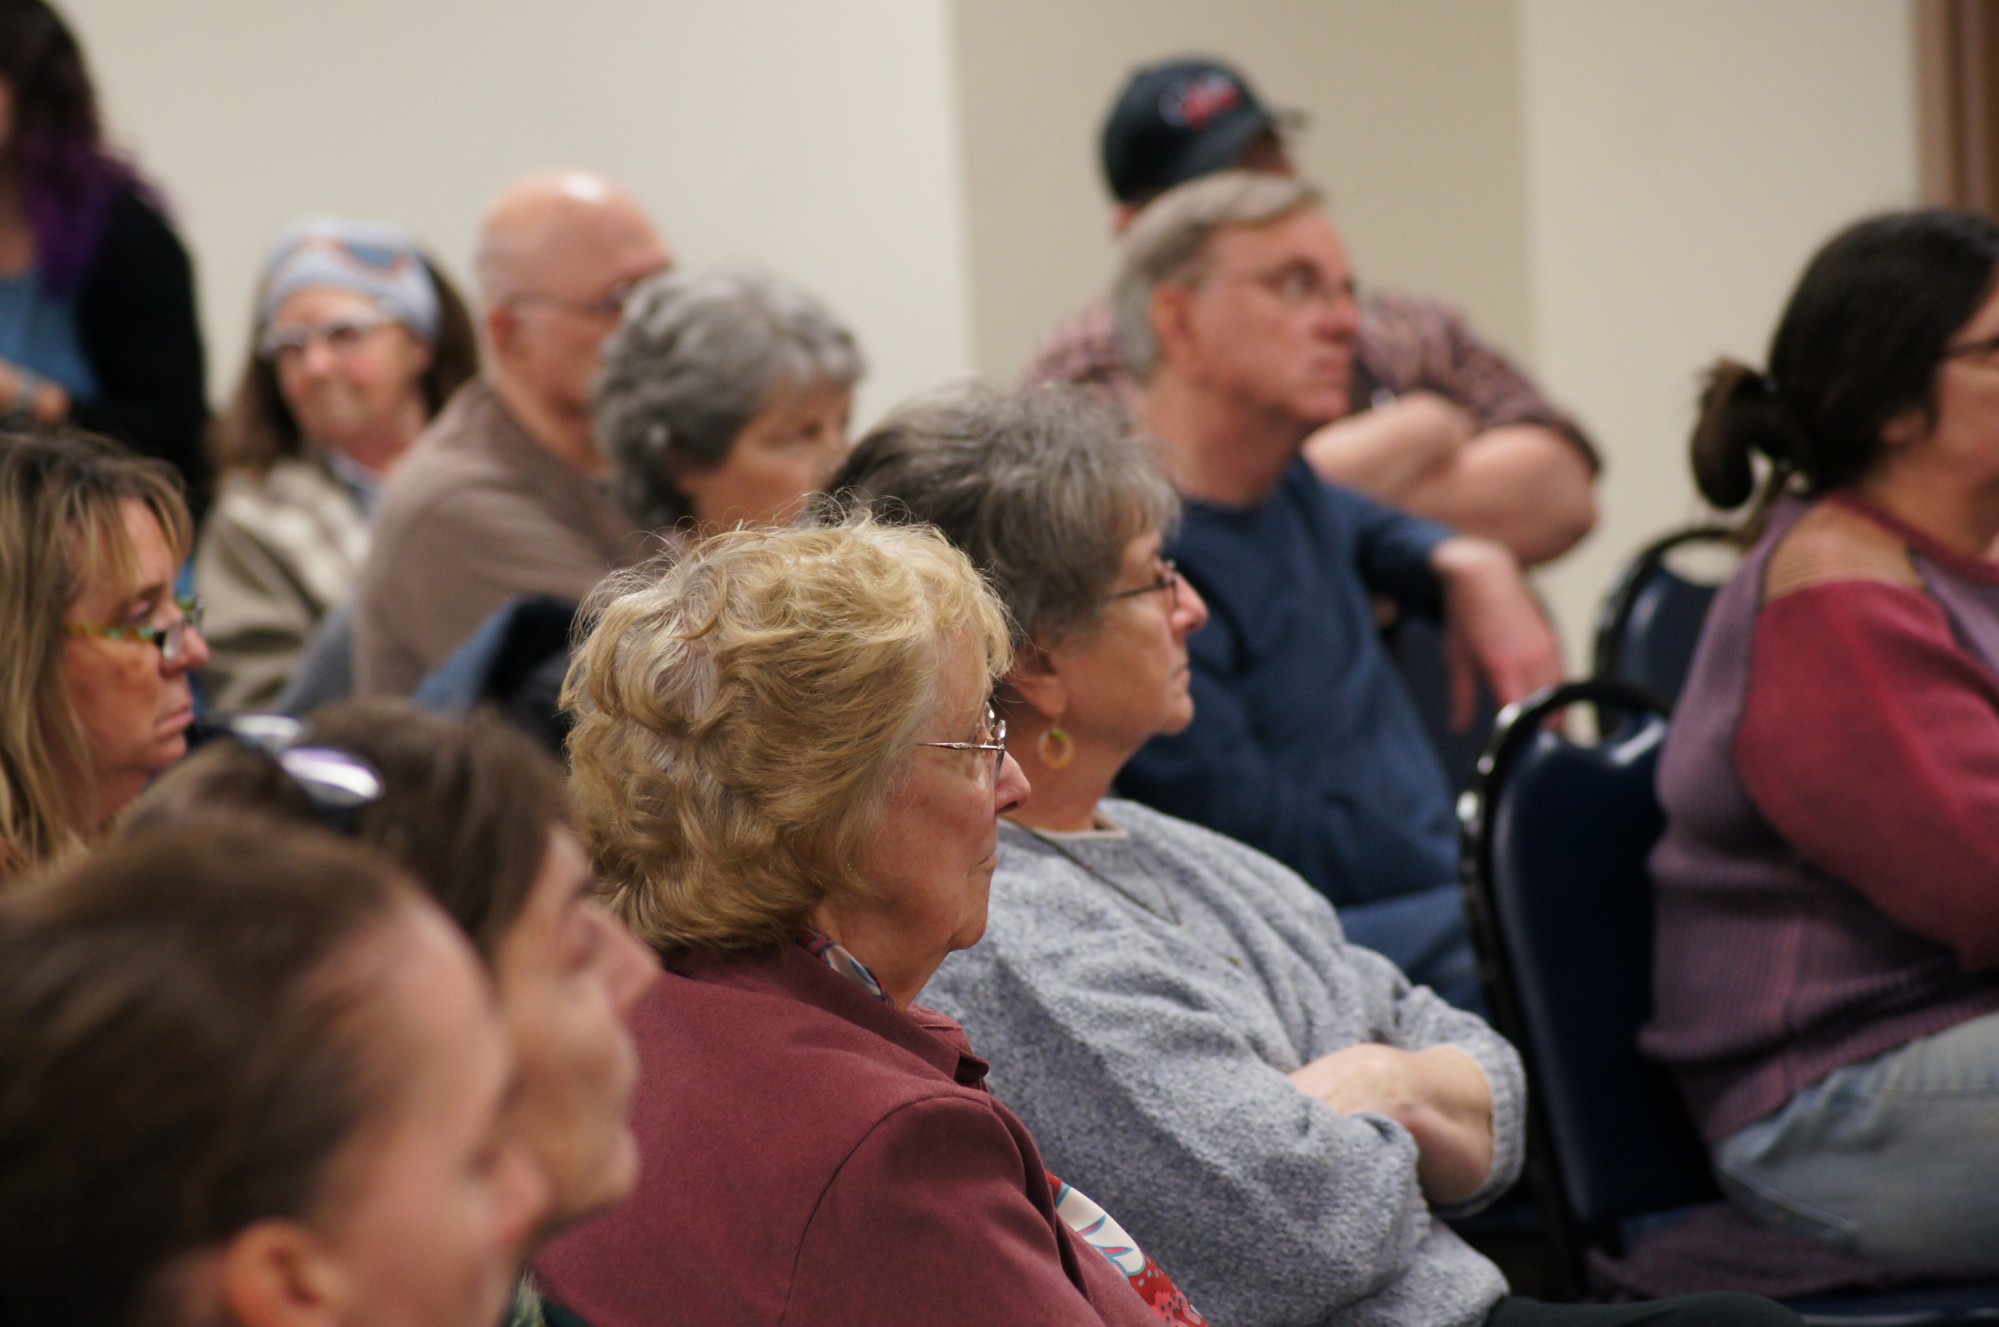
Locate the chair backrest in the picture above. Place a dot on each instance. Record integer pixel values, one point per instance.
(499, 657)
(325, 671)
(1558, 832)
(1651, 619)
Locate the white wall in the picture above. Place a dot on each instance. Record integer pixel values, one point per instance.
(819, 139)
(1614, 192)
(1413, 126)
(1683, 160)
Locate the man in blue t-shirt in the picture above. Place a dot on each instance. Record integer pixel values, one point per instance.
(1236, 307)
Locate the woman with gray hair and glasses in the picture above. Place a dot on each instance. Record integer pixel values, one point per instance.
(1178, 1017)
(724, 399)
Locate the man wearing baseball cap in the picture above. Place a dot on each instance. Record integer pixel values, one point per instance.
(1439, 423)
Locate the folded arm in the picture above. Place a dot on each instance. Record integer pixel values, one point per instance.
(1265, 1202)
(1439, 1095)
(1870, 741)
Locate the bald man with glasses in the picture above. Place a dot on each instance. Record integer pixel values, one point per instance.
(506, 494)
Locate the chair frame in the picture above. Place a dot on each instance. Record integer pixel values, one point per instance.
(1571, 1236)
(1518, 725)
(1614, 616)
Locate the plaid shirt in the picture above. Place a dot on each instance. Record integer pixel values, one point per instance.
(1406, 344)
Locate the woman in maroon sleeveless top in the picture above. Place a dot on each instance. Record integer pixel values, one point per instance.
(1827, 974)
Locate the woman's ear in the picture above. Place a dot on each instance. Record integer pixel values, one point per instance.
(278, 1273)
(1036, 681)
(1907, 428)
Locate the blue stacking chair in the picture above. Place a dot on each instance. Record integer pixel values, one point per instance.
(513, 662)
(1651, 619)
(1557, 832)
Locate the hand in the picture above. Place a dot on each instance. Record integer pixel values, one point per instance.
(1492, 626)
(43, 403)
(1439, 1095)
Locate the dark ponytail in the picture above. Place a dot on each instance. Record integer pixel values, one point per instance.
(1741, 416)
(1857, 348)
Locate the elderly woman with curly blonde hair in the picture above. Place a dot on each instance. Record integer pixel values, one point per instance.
(788, 766)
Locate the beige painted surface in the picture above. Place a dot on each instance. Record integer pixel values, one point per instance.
(1683, 160)
(1414, 127)
(818, 139)
(1613, 191)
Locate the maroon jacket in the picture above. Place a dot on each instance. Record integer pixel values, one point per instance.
(815, 1156)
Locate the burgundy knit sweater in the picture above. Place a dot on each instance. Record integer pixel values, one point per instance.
(1828, 882)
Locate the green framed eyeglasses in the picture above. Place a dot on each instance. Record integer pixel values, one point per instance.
(171, 639)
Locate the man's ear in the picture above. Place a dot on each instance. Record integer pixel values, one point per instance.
(279, 1273)
(1035, 680)
(1172, 307)
(502, 323)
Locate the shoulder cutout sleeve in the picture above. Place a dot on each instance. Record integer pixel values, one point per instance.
(1832, 544)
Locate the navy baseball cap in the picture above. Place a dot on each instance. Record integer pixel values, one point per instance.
(1178, 121)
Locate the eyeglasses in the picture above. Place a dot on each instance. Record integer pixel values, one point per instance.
(1168, 584)
(171, 639)
(1298, 285)
(341, 335)
(995, 734)
(1971, 349)
(336, 783)
(605, 308)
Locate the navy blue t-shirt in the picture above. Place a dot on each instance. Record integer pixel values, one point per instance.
(1304, 742)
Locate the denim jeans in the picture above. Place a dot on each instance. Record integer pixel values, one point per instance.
(1894, 1159)
(1427, 935)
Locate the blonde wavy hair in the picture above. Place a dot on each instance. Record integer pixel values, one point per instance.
(744, 710)
(62, 528)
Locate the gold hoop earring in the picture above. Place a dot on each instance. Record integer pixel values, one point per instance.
(1055, 747)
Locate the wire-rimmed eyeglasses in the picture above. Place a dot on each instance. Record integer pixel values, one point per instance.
(995, 734)
(1168, 583)
(170, 640)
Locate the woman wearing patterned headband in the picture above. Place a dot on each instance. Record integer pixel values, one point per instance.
(357, 341)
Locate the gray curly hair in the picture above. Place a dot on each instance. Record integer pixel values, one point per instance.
(697, 356)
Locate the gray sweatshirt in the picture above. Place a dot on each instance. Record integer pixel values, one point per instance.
(1141, 994)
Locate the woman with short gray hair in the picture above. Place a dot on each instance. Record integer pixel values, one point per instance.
(1144, 978)
(724, 399)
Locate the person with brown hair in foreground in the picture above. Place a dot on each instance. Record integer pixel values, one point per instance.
(252, 1079)
(479, 817)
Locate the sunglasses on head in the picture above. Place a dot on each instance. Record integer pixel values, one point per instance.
(337, 783)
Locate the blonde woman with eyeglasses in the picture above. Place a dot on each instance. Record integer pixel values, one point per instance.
(789, 769)
(95, 698)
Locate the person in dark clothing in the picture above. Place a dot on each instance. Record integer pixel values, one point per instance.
(97, 313)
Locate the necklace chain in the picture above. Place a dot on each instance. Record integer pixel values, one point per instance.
(1172, 913)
